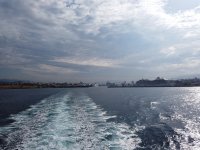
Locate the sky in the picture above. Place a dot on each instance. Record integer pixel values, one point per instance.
(99, 40)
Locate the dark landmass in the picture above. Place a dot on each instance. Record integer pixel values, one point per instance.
(31, 85)
(158, 82)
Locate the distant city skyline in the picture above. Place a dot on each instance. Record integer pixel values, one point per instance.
(89, 41)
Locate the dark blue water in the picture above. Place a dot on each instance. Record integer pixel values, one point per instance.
(100, 118)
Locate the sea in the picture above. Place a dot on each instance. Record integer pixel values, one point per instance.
(100, 118)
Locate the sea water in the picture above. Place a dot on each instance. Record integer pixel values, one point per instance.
(101, 118)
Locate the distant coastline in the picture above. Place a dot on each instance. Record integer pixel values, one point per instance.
(22, 85)
(158, 82)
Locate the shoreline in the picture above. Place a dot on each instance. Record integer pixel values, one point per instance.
(41, 86)
(4, 88)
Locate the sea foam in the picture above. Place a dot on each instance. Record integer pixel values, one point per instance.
(66, 121)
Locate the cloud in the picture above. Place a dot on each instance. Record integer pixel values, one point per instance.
(55, 69)
(9, 56)
(88, 61)
(169, 51)
(188, 65)
(97, 37)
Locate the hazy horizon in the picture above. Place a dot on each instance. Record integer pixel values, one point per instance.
(85, 40)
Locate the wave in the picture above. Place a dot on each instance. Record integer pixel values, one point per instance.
(190, 134)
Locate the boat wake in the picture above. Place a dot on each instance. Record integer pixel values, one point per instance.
(66, 121)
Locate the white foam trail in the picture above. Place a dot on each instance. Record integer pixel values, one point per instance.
(68, 122)
(191, 131)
